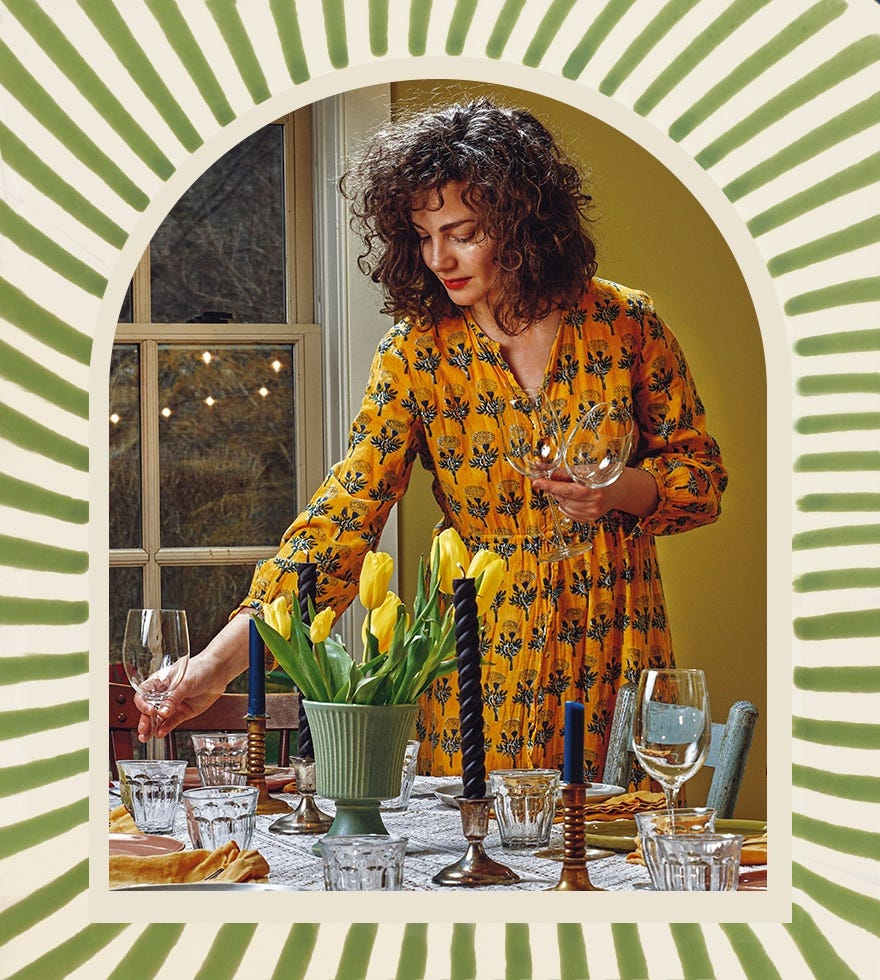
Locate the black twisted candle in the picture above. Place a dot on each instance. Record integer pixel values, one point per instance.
(307, 579)
(470, 689)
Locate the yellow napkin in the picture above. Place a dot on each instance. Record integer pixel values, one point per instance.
(625, 805)
(122, 822)
(754, 851)
(188, 866)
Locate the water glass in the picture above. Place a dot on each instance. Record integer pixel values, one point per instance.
(366, 862)
(221, 758)
(699, 862)
(525, 804)
(150, 790)
(216, 815)
(408, 778)
(687, 820)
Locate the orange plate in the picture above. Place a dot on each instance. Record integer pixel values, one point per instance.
(143, 845)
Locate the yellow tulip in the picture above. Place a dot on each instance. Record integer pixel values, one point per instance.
(453, 557)
(382, 621)
(375, 576)
(320, 626)
(491, 567)
(277, 615)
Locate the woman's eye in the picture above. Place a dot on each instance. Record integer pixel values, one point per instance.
(464, 239)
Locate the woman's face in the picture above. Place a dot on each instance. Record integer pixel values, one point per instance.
(455, 247)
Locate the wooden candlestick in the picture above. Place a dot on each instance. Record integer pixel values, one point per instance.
(575, 877)
(256, 766)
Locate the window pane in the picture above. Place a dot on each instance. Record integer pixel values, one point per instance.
(125, 312)
(221, 249)
(126, 592)
(125, 447)
(226, 444)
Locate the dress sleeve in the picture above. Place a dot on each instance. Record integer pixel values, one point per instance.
(674, 446)
(345, 517)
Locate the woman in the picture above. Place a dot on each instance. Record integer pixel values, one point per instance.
(475, 224)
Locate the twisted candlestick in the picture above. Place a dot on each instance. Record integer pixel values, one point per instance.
(256, 766)
(307, 585)
(575, 877)
(470, 692)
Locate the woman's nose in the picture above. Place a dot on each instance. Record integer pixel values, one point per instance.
(439, 256)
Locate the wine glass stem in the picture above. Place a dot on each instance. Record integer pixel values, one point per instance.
(670, 791)
(557, 524)
(155, 748)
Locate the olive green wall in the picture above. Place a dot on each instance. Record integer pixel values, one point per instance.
(653, 234)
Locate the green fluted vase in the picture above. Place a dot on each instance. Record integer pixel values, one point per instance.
(359, 752)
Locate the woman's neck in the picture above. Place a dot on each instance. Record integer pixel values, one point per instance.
(528, 352)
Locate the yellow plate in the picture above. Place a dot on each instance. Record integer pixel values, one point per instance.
(619, 835)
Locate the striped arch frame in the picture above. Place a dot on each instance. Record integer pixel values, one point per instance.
(111, 108)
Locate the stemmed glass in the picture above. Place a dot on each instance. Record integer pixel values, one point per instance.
(533, 443)
(672, 727)
(155, 654)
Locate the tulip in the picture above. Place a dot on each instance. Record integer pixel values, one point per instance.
(277, 615)
(491, 567)
(453, 557)
(319, 629)
(375, 576)
(382, 621)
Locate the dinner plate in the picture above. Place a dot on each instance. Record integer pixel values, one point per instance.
(620, 835)
(208, 886)
(143, 845)
(447, 792)
(277, 778)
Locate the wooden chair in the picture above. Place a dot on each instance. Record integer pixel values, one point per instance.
(226, 714)
(728, 750)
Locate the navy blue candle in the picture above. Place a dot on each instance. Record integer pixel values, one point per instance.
(256, 673)
(573, 758)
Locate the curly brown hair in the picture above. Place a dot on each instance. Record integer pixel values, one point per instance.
(528, 195)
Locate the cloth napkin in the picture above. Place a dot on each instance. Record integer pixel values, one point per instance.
(754, 851)
(624, 806)
(122, 822)
(188, 866)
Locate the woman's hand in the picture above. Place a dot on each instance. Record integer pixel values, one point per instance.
(633, 492)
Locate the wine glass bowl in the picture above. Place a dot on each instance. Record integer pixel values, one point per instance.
(598, 447)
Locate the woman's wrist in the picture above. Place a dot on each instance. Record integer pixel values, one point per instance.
(635, 492)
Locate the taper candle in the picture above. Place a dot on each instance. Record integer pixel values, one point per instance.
(573, 751)
(470, 693)
(256, 673)
(307, 588)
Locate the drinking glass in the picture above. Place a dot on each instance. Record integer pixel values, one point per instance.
(672, 727)
(216, 815)
(364, 862)
(155, 653)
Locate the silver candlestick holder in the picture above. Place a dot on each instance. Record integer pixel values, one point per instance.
(475, 868)
(307, 818)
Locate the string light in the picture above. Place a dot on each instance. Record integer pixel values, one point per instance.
(276, 365)
(166, 412)
(209, 401)
(264, 391)
(114, 418)
(207, 357)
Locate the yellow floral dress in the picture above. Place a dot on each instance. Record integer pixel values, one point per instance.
(569, 630)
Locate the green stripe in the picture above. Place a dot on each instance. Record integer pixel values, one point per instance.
(846, 904)
(849, 679)
(787, 40)
(590, 43)
(631, 960)
(842, 342)
(23, 431)
(690, 942)
(43, 902)
(838, 578)
(227, 951)
(39, 323)
(296, 954)
(419, 19)
(35, 242)
(840, 422)
(504, 26)
(838, 626)
(817, 951)
(847, 840)
(645, 43)
(413, 961)
(186, 47)
(71, 954)
(736, 14)
(39, 380)
(850, 179)
(842, 462)
(459, 25)
(19, 553)
(840, 294)
(147, 955)
(41, 772)
(572, 951)
(462, 952)
(334, 28)
(25, 834)
(838, 384)
(28, 91)
(837, 537)
(378, 20)
(24, 161)
(37, 500)
(750, 952)
(517, 952)
(824, 137)
(547, 30)
(20, 611)
(856, 236)
(232, 30)
(357, 950)
(290, 36)
(26, 721)
(842, 66)
(846, 734)
(43, 667)
(865, 789)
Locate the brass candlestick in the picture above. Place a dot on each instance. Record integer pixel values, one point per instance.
(475, 867)
(256, 766)
(575, 877)
(307, 818)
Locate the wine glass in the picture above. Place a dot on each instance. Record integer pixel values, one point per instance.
(155, 654)
(533, 444)
(672, 727)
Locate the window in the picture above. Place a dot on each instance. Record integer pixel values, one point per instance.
(216, 386)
